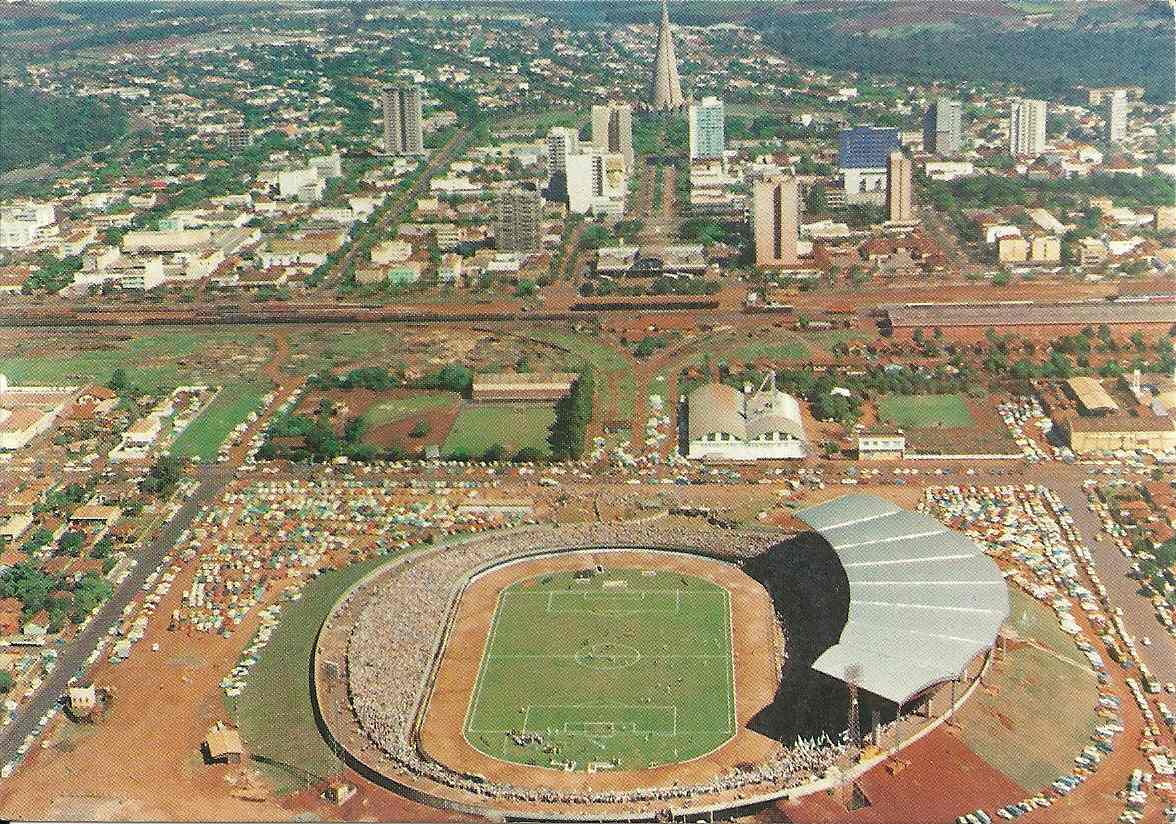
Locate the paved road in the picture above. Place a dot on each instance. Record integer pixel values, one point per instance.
(395, 211)
(1112, 568)
(73, 655)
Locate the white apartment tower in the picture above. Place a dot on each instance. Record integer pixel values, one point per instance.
(707, 137)
(1116, 121)
(899, 184)
(775, 221)
(612, 130)
(1027, 128)
(596, 183)
(402, 119)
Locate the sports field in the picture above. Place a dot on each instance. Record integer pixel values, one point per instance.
(919, 411)
(623, 669)
(481, 426)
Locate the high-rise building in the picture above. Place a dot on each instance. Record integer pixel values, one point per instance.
(596, 183)
(942, 127)
(1027, 128)
(867, 147)
(863, 156)
(707, 139)
(612, 130)
(402, 119)
(774, 212)
(562, 143)
(1116, 121)
(898, 188)
(666, 86)
(519, 227)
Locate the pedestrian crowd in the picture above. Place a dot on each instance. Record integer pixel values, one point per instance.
(398, 633)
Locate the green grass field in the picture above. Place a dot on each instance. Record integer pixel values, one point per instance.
(394, 409)
(479, 427)
(230, 407)
(922, 411)
(624, 670)
(1037, 719)
(150, 361)
(275, 711)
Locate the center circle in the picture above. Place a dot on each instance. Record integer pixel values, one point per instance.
(608, 656)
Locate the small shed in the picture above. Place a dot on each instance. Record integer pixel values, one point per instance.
(223, 744)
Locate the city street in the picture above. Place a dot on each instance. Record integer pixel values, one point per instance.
(73, 655)
(1113, 567)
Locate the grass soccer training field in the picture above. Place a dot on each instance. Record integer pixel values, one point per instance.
(623, 669)
(919, 411)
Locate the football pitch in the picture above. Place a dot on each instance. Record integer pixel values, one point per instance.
(621, 669)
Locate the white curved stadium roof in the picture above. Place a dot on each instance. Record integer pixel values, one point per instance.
(923, 599)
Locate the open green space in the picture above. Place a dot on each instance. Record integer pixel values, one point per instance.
(1032, 621)
(326, 349)
(275, 710)
(230, 407)
(1033, 718)
(921, 411)
(541, 121)
(617, 395)
(772, 350)
(394, 409)
(621, 669)
(827, 338)
(479, 427)
(165, 359)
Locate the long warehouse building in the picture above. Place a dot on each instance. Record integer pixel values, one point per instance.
(946, 315)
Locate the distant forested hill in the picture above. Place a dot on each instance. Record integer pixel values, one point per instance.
(36, 128)
(1048, 61)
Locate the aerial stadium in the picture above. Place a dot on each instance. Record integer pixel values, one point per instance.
(665, 668)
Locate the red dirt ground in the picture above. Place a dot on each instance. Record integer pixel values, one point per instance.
(923, 790)
(439, 419)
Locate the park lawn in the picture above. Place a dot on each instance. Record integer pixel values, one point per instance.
(1032, 621)
(542, 120)
(394, 409)
(231, 406)
(319, 349)
(827, 338)
(921, 411)
(583, 350)
(275, 710)
(619, 394)
(479, 427)
(635, 673)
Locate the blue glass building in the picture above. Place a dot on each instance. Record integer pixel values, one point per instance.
(867, 147)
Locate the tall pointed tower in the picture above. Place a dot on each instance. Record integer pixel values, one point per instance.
(666, 85)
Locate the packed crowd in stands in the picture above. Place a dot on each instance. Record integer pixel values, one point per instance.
(388, 662)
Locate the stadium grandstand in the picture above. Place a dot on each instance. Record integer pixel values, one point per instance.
(924, 600)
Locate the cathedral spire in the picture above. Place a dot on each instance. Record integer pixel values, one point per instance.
(666, 86)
